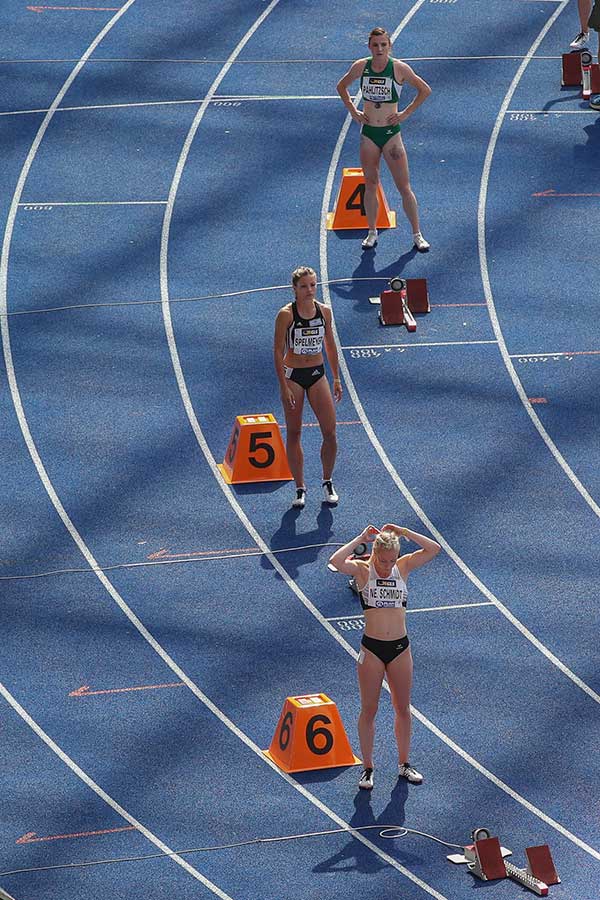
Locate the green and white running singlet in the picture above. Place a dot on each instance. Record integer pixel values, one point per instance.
(380, 87)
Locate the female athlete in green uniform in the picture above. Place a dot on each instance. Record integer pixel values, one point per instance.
(381, 80)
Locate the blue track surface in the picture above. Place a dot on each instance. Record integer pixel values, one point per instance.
(153, 618)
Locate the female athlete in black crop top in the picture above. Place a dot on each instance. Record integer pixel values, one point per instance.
(302, 330)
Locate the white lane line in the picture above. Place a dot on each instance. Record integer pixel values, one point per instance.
(29, 203)
(424, 609)
(554, 112)
(250, 62)
(139, 626)
(25, 430)
(327, 194)
(187, 403)
(555, 353)
(232, 500)
(487, 287)
(192, 102)
(247, 742)
(81, 774)
(415, 344)
(78, 540)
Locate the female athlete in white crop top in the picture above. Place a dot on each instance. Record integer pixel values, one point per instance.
(385, 649)
(302, 329)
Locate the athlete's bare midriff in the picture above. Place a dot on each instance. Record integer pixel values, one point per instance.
(377, 113)
(385, 624)
(302, 360)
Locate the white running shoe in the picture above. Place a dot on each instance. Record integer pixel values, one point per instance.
(405, 770)
(370, 240)
(420, 243)
(366, 780)
(329, 493)
(300, 498)
(581, 41)
(595, 101)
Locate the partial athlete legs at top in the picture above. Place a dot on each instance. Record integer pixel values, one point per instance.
(321, 401)
(397, 161)
(370, 156)
(582, 38)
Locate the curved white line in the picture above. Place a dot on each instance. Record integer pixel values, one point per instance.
(4, 692)
(113, 593)
(291, 584)
(164, 287)
(487, 288)
(16, 398)
(383, 455)
(170, 662)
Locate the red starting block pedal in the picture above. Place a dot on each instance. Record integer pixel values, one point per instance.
(595, 78)
(541, 865)
(571, 69)
(488, 863)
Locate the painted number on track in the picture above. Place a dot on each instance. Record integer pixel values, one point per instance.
(351, 624)
(37, 207)
(365, 353)
(522, 117)
(545, 359)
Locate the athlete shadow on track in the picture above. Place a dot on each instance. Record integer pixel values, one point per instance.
(361, 290)
(354, 856)
(287, 537)
(588, 153)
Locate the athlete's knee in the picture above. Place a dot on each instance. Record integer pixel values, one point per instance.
(368, 711)
(402, 710)
(294, 434)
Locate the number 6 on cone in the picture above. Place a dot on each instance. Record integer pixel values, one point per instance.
(310, 735)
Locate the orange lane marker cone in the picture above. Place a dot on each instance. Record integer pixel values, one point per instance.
(310, 735)
(255, 451)
(349, 211)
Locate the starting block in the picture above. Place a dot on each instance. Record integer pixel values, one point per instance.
(571, 75)
(255, 451)
(485, 859)
(310, 735)
(579, 71)
(407, 296)
(349, 210)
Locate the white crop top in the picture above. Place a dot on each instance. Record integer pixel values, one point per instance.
(384, 593)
